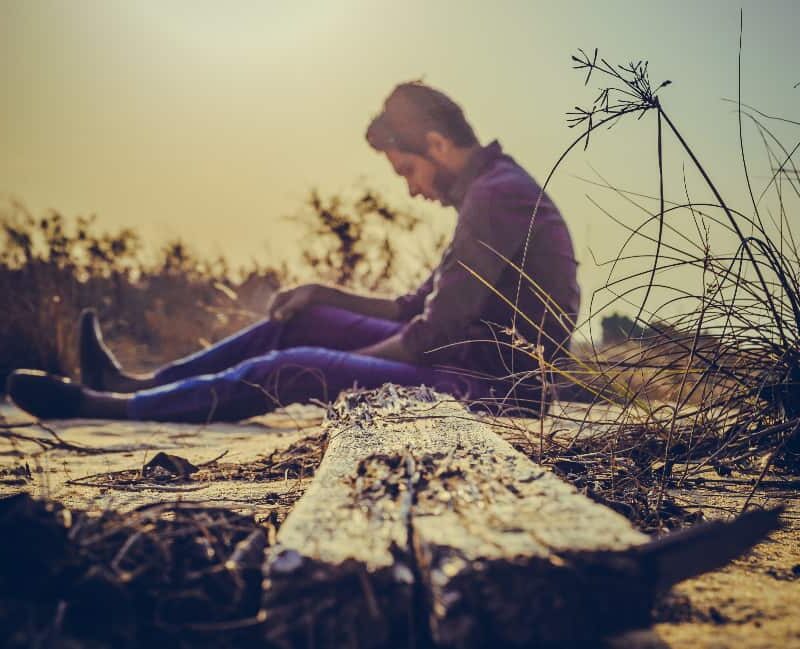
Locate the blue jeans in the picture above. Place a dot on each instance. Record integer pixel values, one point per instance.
(272, 364)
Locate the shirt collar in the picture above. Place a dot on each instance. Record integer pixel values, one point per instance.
(478, 163)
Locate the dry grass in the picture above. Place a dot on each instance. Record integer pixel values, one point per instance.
(716, 386)
(159, 309)
(718, 381)
(52, 267)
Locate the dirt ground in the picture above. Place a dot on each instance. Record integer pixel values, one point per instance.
(64, 475)
(753, 602)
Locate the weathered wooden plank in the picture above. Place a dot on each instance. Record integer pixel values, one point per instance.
(507, 553)
(413, 484)
(512, 556)
(341, 575)
(422, 526)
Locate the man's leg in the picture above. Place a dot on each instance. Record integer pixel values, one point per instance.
(318, 326)
(278, 378)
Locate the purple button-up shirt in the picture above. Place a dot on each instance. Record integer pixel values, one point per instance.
(463, 313)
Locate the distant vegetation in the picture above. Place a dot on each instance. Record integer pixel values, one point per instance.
(618, 328)
(52, 266)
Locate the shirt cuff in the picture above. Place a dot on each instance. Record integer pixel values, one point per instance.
(408, 306)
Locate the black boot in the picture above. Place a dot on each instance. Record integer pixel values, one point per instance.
(99, 369)
(43, 395)
(51, 397)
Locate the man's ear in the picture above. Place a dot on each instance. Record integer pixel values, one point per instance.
(439, 146)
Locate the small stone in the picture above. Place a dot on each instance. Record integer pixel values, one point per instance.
(716, 616)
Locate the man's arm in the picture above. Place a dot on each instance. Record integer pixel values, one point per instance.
(375, 307)
(491, 229)
(286, 303)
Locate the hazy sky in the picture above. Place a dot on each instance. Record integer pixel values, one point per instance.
(209, 120)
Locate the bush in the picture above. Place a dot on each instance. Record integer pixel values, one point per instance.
(52, 267)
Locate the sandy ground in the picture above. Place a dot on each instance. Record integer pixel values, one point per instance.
(754, 602)
(130, 445)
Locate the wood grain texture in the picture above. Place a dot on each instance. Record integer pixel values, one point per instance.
(415, 491)
(341, 574)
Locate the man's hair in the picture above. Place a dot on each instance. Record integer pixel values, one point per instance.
(412, 110)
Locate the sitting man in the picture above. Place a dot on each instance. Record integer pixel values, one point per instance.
(484, 327)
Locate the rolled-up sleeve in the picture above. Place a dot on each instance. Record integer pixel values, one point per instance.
(412, 304)
(490, 222)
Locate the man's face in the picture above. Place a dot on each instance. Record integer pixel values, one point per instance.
(424, 177)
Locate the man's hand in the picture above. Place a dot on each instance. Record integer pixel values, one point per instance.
(284, 304)
(391, 349)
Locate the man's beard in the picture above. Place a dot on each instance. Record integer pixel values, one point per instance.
(442, 183)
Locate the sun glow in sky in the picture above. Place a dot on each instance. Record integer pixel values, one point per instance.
(211, 121)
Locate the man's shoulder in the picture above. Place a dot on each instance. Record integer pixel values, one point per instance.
(506, 186)
(504, 179)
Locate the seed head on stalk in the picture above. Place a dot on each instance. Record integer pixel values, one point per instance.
(634, 94)
(751, 299)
